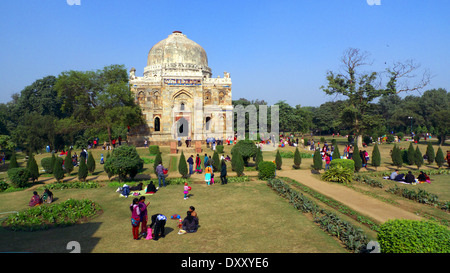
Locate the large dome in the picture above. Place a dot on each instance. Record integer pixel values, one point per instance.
(177, 55)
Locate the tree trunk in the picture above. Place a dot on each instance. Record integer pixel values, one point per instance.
(109, 135)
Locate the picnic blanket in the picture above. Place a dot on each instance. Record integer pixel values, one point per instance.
(137, 193)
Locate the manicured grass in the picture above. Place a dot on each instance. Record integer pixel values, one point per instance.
(240, 217)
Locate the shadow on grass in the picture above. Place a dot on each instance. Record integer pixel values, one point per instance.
(54, 240)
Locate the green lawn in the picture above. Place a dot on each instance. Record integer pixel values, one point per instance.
(240, 217)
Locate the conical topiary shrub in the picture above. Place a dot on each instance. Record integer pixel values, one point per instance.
(90, 164)
(411, 154)
(440, 157)
(182, 166)
(82, 170)
(376, 156)
(297, 159)
(278, 160)
(357, 159)
(430, 153)
(58, 171)
(33, 168)
(418, 158)
(317, 161)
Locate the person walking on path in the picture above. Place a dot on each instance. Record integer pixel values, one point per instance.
(198, 164)
(191, 164)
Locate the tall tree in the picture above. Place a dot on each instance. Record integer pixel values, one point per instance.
(362, 89)
(99, 99)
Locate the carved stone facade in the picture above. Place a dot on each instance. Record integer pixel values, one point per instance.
(178, 97)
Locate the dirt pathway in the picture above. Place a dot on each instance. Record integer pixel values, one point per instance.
(364, 204)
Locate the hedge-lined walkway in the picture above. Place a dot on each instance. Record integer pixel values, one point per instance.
(366, 205)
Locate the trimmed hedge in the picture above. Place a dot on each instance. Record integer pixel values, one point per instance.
(345, 163)
(55, 215)
(153, 149)
(266, 170)
(352, 237)
(410, 236)
(46, 164)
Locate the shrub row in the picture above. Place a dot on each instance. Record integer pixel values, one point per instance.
(353, 238)
(367, 180)
(55, 215)
(420, 196)
(409, 236)
(72, 185)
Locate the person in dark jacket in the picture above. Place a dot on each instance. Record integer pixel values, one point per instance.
(190, 223)
(409, 178)
(223, 173)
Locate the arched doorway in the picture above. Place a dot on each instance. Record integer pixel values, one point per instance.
(182, 127)
(157, 124)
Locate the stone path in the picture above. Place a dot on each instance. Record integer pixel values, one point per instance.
(364, 204)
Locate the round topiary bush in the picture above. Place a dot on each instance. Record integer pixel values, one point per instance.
(153, 149)
(266, 170)
(410, 236)
(345, 163)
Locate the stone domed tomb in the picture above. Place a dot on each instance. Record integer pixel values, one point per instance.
(178, 96)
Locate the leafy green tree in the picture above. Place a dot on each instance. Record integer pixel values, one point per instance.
(317, 161)
(90, 163)
(278, 160)
(68, 165)
(99, 98)
(411, 154)
(440, 160)
(13, 161)
(19, 177)
(376, 156)
(430, 153)
(58, 171)
(362, 89)
(246, 148)
(297, 159)
(33, 168)
(418, 158)
(83, 170)
(182, 166)
(124, 161)
(357, 159)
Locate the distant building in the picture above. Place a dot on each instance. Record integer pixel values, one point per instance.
(177, 95)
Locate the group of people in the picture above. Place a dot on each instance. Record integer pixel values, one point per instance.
(409, 177)
(208, 167)
(36, 200)
(156, 229)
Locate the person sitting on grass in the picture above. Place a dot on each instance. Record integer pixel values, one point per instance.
(151, 188)
(35, 200)
(47, 197)
(190, 223)
(409, 178)
(423, 177)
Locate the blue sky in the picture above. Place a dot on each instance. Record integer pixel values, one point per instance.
(274, 50)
